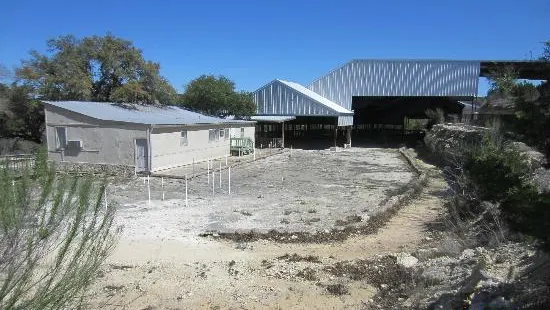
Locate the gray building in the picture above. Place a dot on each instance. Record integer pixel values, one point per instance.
(135, 138)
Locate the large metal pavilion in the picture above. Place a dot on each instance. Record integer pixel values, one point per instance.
(364, 91)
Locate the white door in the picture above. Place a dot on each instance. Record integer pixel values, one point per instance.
(142, 162)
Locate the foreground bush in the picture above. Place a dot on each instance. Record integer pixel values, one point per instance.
(54, 234)
(500, 175)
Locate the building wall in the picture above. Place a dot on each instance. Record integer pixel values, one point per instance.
(113, 145)
(398, 78)
(167, 150)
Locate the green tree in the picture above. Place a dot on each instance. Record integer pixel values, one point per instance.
(94, 68)
(217, 96)
(55, 232)
(20, 116)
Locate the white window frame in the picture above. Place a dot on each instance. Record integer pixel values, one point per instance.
(222, 133)
(58, 144)
(184, 138)
(242, 132)
(226, 133)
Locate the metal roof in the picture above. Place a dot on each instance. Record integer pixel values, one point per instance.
(374, 77)
(315, 96)
(272, 118)
(138, 114)
(287, 98)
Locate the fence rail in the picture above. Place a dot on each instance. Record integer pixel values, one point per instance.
(17, 163)
(269, 142)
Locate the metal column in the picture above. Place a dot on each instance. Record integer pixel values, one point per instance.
(283, 134)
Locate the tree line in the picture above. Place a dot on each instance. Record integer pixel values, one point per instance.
(103, 69)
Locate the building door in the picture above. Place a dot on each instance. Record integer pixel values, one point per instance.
(142, 160)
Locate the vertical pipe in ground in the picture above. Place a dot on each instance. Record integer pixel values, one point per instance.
(162, 187)
(149, 188)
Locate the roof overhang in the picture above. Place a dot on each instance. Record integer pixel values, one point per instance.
(273, 118)
(528, 69)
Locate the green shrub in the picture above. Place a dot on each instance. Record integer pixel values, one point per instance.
(55, 232)
(498, 175)
(528, 211)
(495, 170)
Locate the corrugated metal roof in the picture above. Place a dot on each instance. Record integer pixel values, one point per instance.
(315, 96)
(287, 98)
(138, 114)
(375, 77)
(272, 118)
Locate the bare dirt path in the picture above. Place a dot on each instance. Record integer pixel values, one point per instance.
(214, 274)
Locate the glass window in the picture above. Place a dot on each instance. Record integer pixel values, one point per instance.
(211, 135)
(60, 137)
(222, 133)
(226, 133)
(183, 138)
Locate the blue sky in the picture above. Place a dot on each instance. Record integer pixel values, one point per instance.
(253, 42)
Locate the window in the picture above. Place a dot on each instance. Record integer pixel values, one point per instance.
(183, 138)
(222, 133)
(60, 137)
(213, 135)
(226, 134)
(242, 132)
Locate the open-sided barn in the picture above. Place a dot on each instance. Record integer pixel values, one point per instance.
(366, 95)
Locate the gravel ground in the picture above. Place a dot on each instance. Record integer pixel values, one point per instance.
(306, 191)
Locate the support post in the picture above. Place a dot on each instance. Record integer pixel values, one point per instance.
(208, 169)
(220, 174)
(186, 202)
(229, 179)
(162, 187)
(283, 134)
(348, 136)
(335, 134)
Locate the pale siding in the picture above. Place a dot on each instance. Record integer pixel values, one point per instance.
(100, 145)
(168, 152)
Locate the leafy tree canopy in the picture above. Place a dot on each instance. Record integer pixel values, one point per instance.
(96, 68)
(217, 96)
(20, 116)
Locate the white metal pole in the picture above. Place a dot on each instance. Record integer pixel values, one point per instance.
(226, 160)
(213, 180)
(186, 202)
(254, 154)
(220, 174)
(208, 169)
(149, 188)
(162, 187)
(229, 179)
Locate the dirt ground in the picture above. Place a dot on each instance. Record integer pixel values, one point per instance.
(161, 262)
